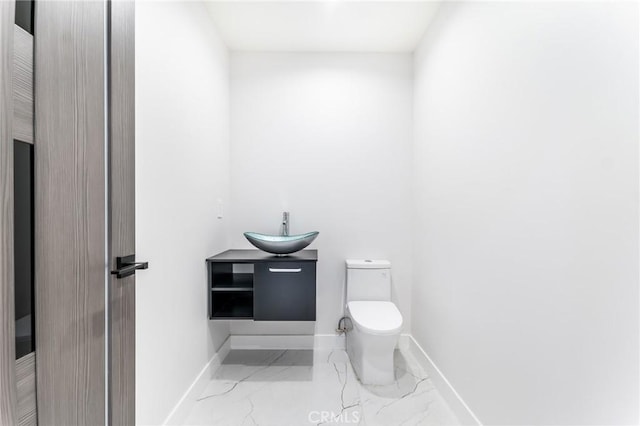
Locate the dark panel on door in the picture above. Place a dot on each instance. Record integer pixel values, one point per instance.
(70, 189)
(23, 246)
(24, 15)
(284, 291)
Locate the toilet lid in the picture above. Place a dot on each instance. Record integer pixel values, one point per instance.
(376, 317)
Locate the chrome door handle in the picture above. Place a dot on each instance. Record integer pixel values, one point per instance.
(285, 269)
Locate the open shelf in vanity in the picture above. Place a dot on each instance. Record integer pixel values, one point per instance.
(251, 284)
(231, 288)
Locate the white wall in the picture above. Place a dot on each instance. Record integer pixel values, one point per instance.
(328, 138)
(182, 168)
(526, 243)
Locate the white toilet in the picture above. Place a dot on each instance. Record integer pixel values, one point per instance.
(375, 321)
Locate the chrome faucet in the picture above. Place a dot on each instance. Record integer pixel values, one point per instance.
(285, 224)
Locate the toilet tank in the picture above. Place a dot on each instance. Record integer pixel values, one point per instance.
(368, 279)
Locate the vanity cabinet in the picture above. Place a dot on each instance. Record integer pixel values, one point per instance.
(285, 291)
(251, 284)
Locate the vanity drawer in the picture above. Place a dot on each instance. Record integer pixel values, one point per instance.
(285, 291)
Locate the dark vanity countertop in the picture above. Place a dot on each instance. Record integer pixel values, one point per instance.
(253, 256)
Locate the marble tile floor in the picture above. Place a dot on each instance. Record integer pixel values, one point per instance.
(307, 387)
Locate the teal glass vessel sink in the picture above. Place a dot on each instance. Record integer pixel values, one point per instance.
(280, 245)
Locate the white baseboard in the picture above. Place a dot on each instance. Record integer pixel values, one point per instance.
(272, 341)
(287, 341)
(181, 411)
(293, 341)
(453, 398)
(404, 342)
(329, 341)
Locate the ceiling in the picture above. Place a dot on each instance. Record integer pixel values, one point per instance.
(322, 26)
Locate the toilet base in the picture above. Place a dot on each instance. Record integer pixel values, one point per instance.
(372, 356)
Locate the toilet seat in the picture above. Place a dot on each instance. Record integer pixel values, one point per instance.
(375, 317)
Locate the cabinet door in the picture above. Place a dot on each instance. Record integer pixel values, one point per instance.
(285, 291)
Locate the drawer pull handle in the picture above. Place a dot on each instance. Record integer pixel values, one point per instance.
(285, 270)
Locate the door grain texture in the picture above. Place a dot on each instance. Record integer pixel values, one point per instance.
(7, 315)
(26, 390)
(70, 212)
(23, 85)
(122, 212)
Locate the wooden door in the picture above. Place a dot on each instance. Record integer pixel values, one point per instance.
(84, 211)
(7, 318)
(122, 292)
(70, 205)
(17, 356)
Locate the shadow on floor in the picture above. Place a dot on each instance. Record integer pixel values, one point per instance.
(267, 365)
